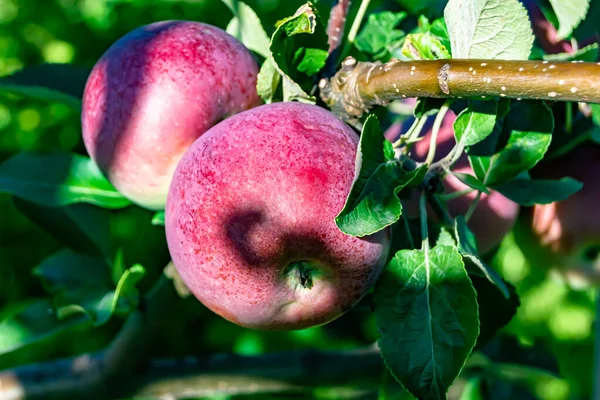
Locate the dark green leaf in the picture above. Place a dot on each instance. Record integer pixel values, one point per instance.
(58, 179)
(34, 323)
(529, 192)
(299, 50)
(83, 227)
(471, 181)
(379, 37)
(82, 284)
(426, 312)
(467, 246)
(62, 83)
(475, 122)
(528, 127)
(372, 203)
(159, 218)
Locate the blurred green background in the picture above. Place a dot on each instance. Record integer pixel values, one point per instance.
(552, 317)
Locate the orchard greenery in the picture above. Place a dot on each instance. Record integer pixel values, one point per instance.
(437, 299)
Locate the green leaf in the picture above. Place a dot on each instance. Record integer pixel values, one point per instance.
(372, 203)
(246, 27)
(35, 322)
(298, 51)
(379, 37)
(475, 122)
(82, 284)
(587, 54)
(528, 192)
(423, 46)
(445, 238)
(82, 227)
(489, 29)
(467, 246)
(268, 82)
(63, 83)
(528, 127)
(426, 312)
(569, 14)
(58, 179)
(159, 218)
(471, 181)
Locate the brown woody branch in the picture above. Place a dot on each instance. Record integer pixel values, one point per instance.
(194, 377)
(359, 86)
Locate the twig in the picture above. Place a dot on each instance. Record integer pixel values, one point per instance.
(205, 376)
(359, 86)
(336, 24)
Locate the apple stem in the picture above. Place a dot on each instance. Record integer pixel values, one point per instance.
(302, 272)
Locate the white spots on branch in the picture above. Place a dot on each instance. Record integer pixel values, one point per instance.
(574, 89)
(483, 64)
(544, 70)
(544, 62)
(552, 94)
(499, 66)
(561, 82)
(474, 72)
(502, 95)
(552, 66)
(403, 96)
(412, 72)
(413, 68)
(518, 99)
(470, 69)
(397, 90)
(521, 69)
(503, 88)
(337, 29)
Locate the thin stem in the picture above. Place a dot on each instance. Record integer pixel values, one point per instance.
(364, 4)
(423, 216)
(408, 232)
(568, 117)
(472, 207)
(413, 132)
(436, 129)
(455, 195)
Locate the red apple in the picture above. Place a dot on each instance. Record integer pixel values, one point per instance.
(569, 230)
(154, 92)
(494, 216)
(250, 219)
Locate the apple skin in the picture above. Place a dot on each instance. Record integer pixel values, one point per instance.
(253, 198)
(495, 215)
(569, 230)
(153, 93)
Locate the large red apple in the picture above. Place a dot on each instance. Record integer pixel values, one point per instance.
(154, 92)
(569, 230)
(250, 219)
(494, 216)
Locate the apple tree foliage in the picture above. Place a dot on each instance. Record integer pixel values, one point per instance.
(437, 298)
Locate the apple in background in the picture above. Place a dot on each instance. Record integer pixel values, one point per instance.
(569, 230)
(250, 219)
(153, 93)
(495, 215)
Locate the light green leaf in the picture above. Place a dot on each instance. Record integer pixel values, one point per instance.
(246, 27)
(159, 218)
(587, 54)
(427, 315)
(569, 14)
(489, 29)
(379, 37)
(475, 122)
(423, 46)
(58, 179)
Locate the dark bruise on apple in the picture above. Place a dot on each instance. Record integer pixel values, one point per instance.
(250, 219)
(154, 92)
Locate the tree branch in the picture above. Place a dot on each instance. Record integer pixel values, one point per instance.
(359, 86)
(93, 375)
(336, 24)
(194, 377)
